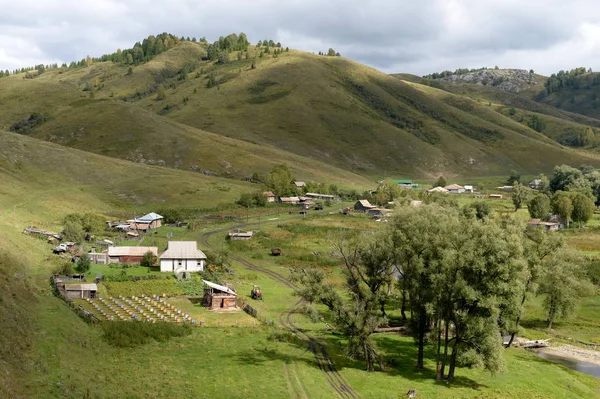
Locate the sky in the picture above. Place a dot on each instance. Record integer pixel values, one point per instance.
(418, 37)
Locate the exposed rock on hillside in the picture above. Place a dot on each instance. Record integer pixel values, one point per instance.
(513, 80)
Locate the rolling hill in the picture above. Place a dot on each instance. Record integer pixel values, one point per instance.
(320, 114)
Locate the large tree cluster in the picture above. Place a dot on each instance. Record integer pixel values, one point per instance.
(463, 280)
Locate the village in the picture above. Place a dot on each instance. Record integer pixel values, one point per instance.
(148, 285)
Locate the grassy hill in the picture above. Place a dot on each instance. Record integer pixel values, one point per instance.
(559, 125)
(331, 113)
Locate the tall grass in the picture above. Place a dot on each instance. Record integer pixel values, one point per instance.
(126, 334)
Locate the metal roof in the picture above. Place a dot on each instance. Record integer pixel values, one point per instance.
(182, 250)
(150, 217)
(454, 187)
(366, 204)
(220, 287)
(131, 251)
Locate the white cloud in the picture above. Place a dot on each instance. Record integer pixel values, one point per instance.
(394, 36)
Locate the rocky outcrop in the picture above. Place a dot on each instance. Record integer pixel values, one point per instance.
(513, 80)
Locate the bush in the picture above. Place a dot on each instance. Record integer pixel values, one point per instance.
(84, 263)
(125, 334)
(148, 260)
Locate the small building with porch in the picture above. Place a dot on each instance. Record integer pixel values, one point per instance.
(182, 255)
(219, 297)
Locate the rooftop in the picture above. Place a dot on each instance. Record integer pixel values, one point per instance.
(182, 250)
(131, 251)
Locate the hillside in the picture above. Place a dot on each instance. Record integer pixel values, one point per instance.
(331, 113)
(573, 92)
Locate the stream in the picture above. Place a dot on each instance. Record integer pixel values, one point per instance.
(574, 364)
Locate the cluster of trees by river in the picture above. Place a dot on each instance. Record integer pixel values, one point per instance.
(460, 280)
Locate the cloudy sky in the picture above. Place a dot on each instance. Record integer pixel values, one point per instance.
(417, 37)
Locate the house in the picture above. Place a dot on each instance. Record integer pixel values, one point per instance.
(455, 189)
(270, 196)
(182, 255)
(496, 196)
(548, 226)
(469, 189)
(437, 189)
(219, 297)
(535, 184)
(74, 291)
(289, 200)
(299, 185)
(318, 196)
(379, 213)
(129, 254)
(508, 189)
(363, 206)
(150, 221)
(240, 235)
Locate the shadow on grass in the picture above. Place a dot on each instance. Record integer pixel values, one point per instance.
(399, 359)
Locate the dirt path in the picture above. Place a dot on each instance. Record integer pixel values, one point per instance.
(324, 362)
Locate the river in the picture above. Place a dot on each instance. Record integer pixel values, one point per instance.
(574, 364)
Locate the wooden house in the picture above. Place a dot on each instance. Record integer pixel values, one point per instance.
(270, 196)
(219, 297)
(150, 221)
(81, 291)
(182, 255)
(363, 206)
(129, 254)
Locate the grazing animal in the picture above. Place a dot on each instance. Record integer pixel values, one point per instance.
(412, 393)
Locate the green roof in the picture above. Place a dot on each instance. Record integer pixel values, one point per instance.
(403, 181)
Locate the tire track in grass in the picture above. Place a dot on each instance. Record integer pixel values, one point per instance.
(322, 358)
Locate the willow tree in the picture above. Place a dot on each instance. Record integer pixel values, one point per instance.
(356, 312)
(564, 283)
(458, 272)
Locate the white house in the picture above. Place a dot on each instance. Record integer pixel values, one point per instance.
(182, 255)
(469, 189)
(455, 189)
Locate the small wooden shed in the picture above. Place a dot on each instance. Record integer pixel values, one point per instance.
(219, 297)
(81, 291)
